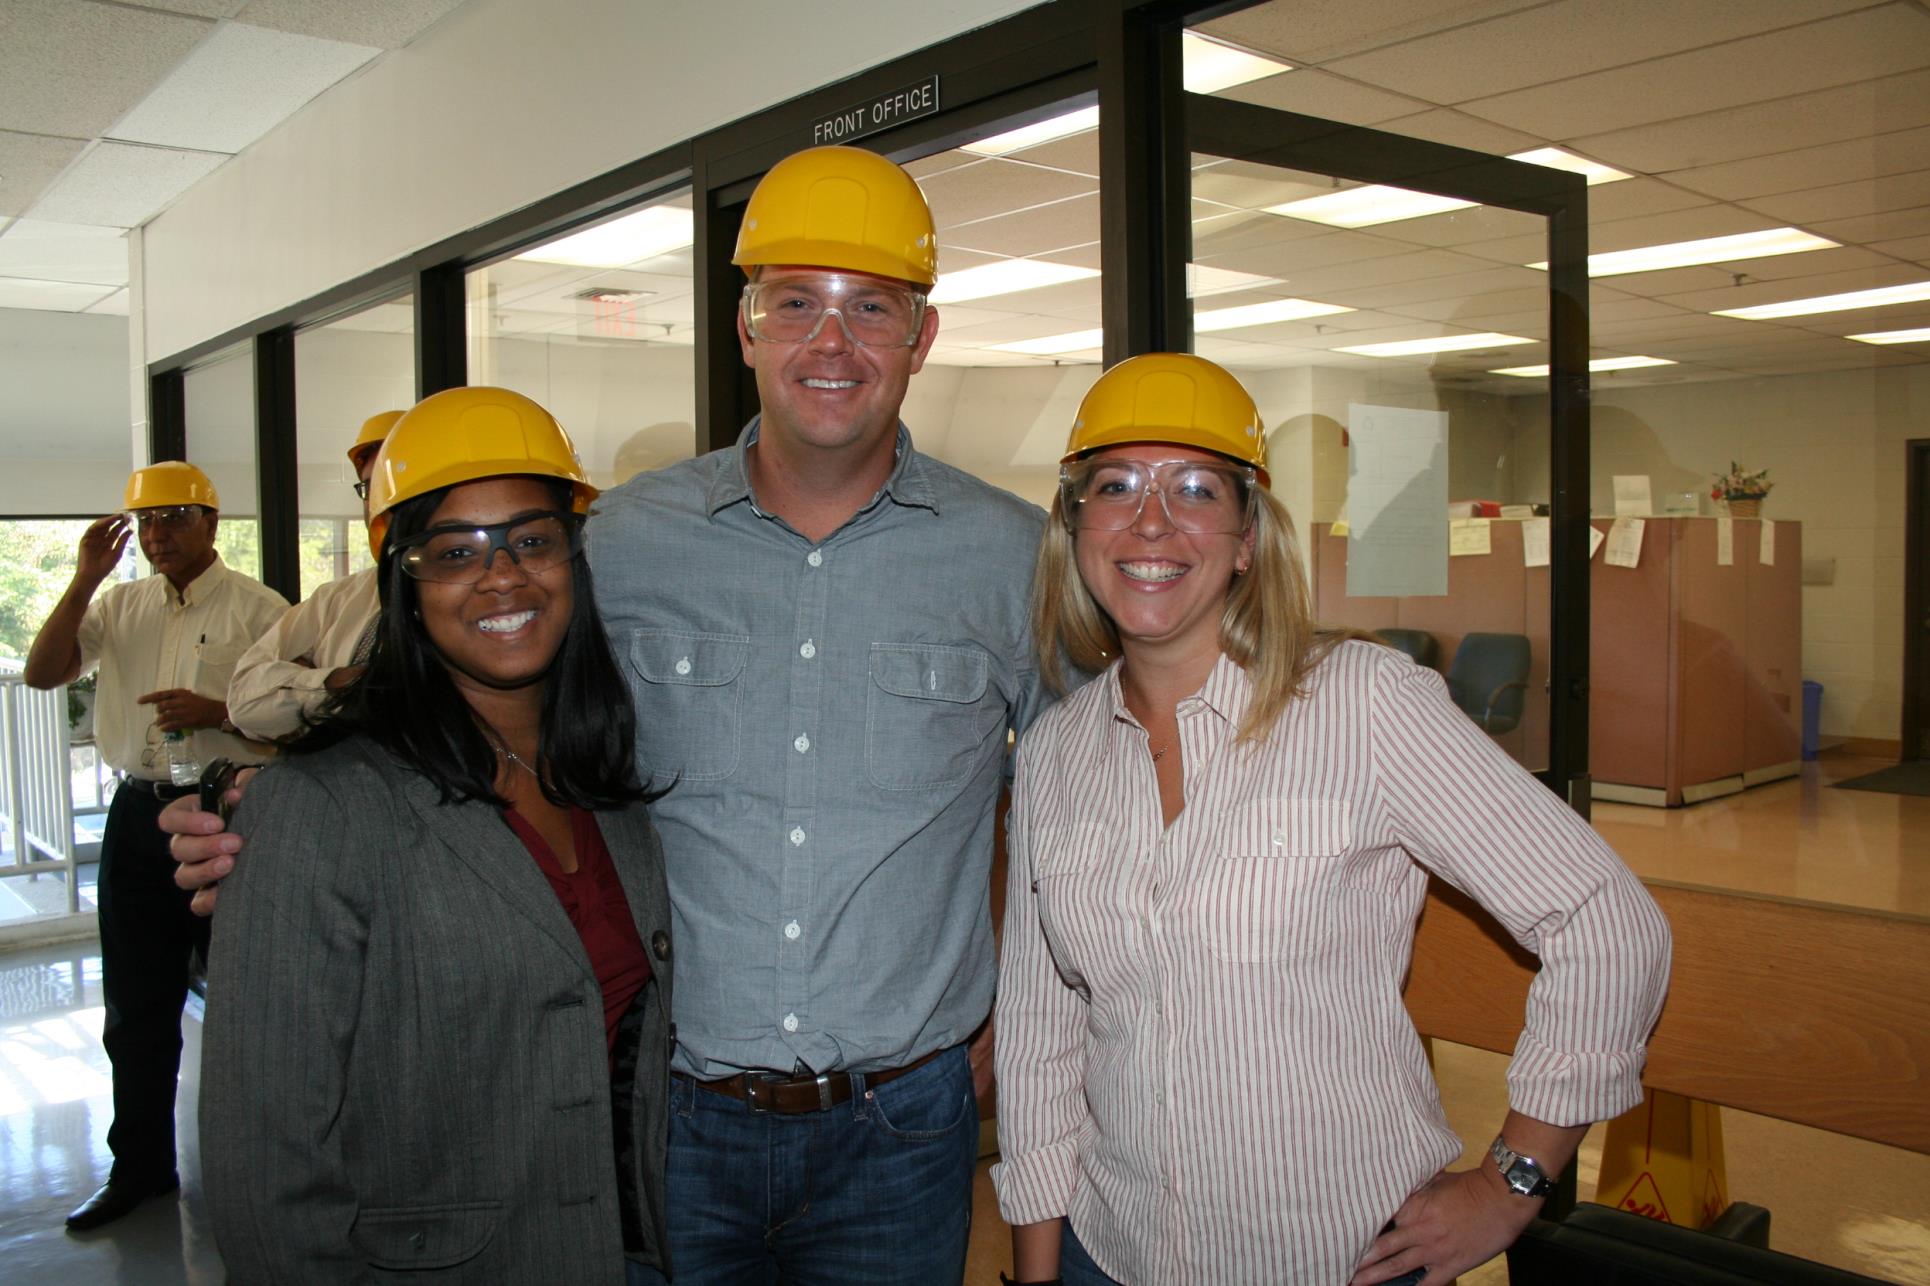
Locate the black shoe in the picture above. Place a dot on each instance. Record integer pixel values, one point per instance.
(115, 1198)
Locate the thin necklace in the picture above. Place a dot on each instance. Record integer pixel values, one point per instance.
(1159, 753)
(518, 760)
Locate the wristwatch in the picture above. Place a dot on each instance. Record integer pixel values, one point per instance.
(1522, 1174)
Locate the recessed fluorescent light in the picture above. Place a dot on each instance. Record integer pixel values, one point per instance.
(1364, 207)
(1202, 281)
(1687, 254)
(1879, 298)
(1599, 364)
(1920, 335)
(1050, 345)
(1556, 159)
(1272, 310)
(1212, 66)
(631, 239)
(1032, 135)
(1441, 344)
(1006, 277)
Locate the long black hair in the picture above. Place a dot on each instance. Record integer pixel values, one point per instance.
(405, 701)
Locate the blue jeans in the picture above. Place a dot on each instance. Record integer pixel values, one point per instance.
(1077, 1269)
(876, 1190)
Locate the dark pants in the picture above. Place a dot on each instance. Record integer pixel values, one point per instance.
(148, 936)
(876, 1190)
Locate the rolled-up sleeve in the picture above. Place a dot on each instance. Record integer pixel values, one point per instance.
(1468, 812)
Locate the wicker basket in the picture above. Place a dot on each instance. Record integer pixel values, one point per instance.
(1745, 508)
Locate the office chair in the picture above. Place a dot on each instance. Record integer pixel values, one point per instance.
(1418, 644)
(1489, 680)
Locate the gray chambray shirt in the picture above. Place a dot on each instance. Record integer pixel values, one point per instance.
(834, 716)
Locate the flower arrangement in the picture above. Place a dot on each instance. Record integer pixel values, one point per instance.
(1741, 489)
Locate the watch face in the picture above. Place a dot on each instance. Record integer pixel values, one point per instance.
(1520, 1178)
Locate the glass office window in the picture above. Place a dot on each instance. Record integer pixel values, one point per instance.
(598, 327)
(220, 404)
(345, 371)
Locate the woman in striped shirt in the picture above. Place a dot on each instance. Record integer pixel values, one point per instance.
(1219, 849)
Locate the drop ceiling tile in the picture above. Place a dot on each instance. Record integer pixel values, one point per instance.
(1329, 281)
(199, 8)
(939, 162)
(1484, 281)
(1875, 227)
(1797, 121)
(1458, 129)
(1564, 41)
(123, 184)
(1301, 32)
(1629, 198)
(384, 24)
(1252, 249)
(1722, 276)
(1077, 154)
(1245, 185)
(73, 69)
(1820, 55)
(1334, 98)
(999, 187)
(1915, 249)
(1041, 231)
(1895, 152)
(1847, 200)
(239, 84)
(50, 296)
(64, 252)
(1752, 293)
(28, 163)
(114, 305)
(956, 258)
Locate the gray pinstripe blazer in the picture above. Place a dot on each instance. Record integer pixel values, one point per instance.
(404, 1067)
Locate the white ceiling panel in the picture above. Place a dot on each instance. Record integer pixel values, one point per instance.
(1847, 200)
(1301, 32)
(115, 304)
(1334, 98)
(939, 162)
(1875, 227)
(1820, 55)
(385, 24)
(199, 8)
(28, 163)
(72, 69)
(1630, 198)
(64, 252)
(1897, 152)
(1569, 39)
(1039, 231)
(1486, 281)
(1753, 293)
(1458, 129)
(240, 83)
(998, 187)
(1760, 129)
(50, 296)
(121, 185)
(1915, 249)
(1078, 154)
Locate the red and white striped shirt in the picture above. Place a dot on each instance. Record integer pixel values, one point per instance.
(1203, 1060)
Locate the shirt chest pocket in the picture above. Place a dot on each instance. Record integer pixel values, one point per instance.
(214, 666)
(1275, 893)
(689, 695)
(1073, 895)
(929, 713)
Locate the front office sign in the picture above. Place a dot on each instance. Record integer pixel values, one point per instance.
(875, 114)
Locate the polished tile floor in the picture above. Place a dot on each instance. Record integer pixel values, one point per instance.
(1841, 1201)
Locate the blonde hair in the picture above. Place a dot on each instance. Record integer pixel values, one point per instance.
(1267, 629)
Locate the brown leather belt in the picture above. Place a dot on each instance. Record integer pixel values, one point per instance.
(793, 1095)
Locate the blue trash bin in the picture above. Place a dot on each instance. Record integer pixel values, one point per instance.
(1812, 716)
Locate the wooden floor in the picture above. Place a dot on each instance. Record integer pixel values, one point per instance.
(1841, 1201)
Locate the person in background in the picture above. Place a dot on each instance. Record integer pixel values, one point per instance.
(165, 647)
(1219, 849)
(825, 635)
(437, 1043)
(320, 643)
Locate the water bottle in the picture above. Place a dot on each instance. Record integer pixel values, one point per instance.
(183, 768)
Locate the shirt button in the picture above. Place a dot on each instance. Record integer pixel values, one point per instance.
(814, 558)
(792, 930)
(683, 665)
(803, 743)
(790, 1022)
(797, 835)
(809, 650)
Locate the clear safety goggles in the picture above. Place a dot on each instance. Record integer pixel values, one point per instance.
(167, 517)
(1196, 496)
(873, 313)
(462, 555)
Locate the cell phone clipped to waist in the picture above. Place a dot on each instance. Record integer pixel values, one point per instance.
(216, 780)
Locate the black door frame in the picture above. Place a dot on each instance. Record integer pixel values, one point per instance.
(1916, 600)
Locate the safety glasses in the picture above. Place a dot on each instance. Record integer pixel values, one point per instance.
(462, 555)
(167, 517)
(793, 311)
(1198, 497)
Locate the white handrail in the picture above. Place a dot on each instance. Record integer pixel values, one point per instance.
(36, 780)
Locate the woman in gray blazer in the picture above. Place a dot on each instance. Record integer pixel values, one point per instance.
(437, 1032)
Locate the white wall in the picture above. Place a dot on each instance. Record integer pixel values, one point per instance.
(63, 412)
(503, 103)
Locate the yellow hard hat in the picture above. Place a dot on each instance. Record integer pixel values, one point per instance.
(171, 482)
(369, 440)
(462, 434)
(1171, 397)
(840, 207)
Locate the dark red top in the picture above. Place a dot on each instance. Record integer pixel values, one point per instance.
(592, 896)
